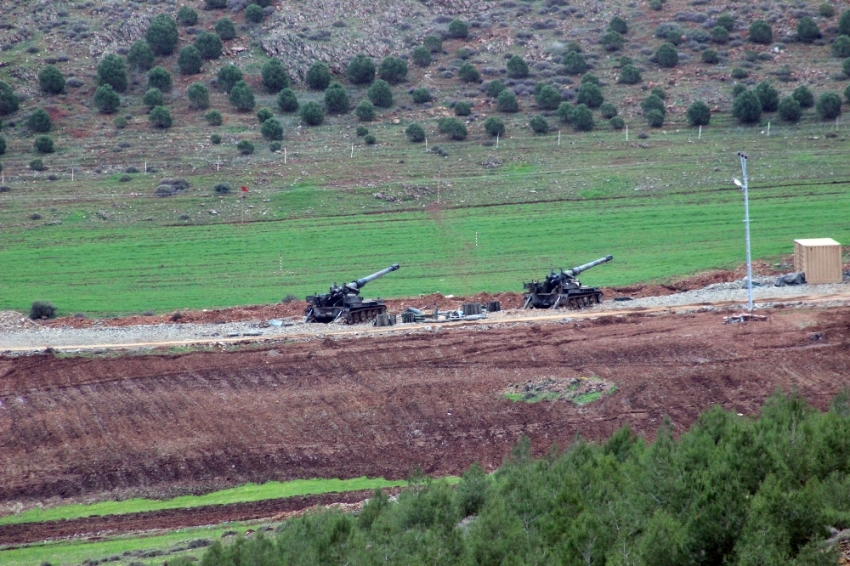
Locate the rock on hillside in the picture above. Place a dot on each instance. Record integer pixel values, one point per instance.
(303, 32)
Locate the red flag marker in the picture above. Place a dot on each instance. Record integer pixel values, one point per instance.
(244, 189)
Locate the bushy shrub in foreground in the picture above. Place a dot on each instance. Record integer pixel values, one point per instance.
(730, 490)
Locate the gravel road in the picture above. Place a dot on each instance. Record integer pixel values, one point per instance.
(19, 334)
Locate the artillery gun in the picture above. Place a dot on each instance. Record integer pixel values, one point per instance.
(562, 289)
(343, 302)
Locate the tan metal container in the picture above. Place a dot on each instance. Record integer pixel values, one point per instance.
(819, 259)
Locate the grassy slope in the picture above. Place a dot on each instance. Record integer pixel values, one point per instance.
(75, 552)
(659, 219)
(664, 206)
(242, 494)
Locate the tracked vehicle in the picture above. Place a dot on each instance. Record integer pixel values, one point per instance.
(343, 302)
(562, 289)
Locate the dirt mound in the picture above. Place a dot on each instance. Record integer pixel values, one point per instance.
(295, 309)
(578, 390)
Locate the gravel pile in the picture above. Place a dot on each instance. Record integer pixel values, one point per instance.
(18, 333)
(765, 294)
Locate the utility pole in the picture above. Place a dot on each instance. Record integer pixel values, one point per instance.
(743, 158)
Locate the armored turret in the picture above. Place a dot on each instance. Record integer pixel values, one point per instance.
(343, 302)
(562, 289)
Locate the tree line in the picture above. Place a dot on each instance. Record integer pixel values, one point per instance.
(730, 490)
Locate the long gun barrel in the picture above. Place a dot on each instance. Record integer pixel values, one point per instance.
(578, 269)
(355, 285)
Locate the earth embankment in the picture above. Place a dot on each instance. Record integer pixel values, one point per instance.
(158, 425)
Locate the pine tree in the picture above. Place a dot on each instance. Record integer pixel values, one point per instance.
(162, 35)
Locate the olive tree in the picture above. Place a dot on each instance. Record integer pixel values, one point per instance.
(415, 133)
(186, 16)
(548, 98)
(829, 106)
(153, 97)
(458, 29)
(790, 109)
(494, 126)
(761, 32)
(507, 102)
(225, 29)
(9, 102)
(667, 55)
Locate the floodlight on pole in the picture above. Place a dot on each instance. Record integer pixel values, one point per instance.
(743, 157)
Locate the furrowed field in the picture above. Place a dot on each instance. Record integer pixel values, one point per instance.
(664, 207)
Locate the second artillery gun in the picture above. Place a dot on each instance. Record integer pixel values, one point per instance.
(343, 302)
(562, 289)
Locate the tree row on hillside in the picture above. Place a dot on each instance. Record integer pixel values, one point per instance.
(372, 84)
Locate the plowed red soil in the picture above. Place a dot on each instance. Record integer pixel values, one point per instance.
(86, 428)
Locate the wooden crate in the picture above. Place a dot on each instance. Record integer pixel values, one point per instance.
(819, 259)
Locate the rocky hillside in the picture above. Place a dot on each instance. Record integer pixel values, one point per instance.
(620, 43)
(77, 33)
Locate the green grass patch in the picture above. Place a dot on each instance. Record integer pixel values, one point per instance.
(126, 269)
(666, 210)
(586, 398)
(75, 552)
(578, 390)
(241, 494)
(532, 397)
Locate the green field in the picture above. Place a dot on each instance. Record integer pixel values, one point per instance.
(664, 208)
(75, 552)
(242, 494)
(173, 544)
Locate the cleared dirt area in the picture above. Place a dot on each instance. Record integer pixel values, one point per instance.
(296, 308)
(92, 427)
